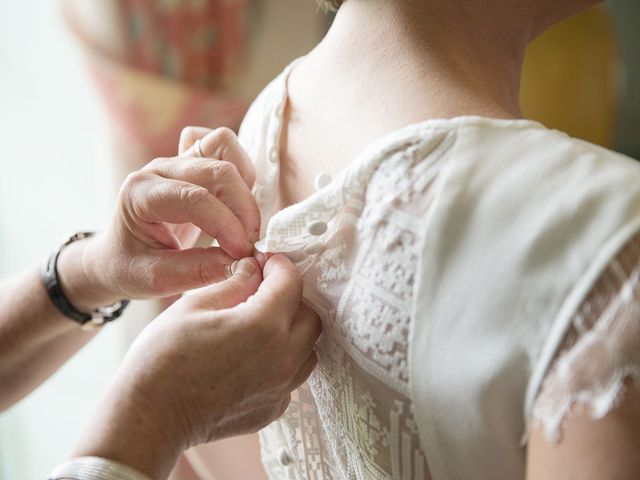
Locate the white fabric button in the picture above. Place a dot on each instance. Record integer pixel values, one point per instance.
(316, 228)
(273, 154)
(322, 181)
(284, 458)
(412, 151)
(313, 248)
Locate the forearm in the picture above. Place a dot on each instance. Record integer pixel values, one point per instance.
(35, 338)
(134, 429)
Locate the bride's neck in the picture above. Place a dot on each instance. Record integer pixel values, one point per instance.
(466, 55)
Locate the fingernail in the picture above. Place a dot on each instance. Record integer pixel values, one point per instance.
(232, 268)
(244, 266)
(249, 246)
(254, 237)
(260, 258)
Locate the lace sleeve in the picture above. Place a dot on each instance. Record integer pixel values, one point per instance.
(601, 349)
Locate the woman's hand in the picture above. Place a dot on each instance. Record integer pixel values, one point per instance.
(145, 251)
(217, 363)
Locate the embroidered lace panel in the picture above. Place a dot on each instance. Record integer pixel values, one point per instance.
(354, 418)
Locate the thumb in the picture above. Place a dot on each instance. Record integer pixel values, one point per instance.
(243, 283)
(176, 271)
(280, 293)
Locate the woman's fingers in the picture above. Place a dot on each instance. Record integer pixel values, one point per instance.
(154, 200)
(173, 272)
(305, 329)
(277, 303)
(236, 289)
(279, 295)
(186, 233)
(221, 144)
(189, 136)
(221, 179)
(305, 370)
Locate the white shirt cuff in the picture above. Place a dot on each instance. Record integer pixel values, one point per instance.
(94, 468)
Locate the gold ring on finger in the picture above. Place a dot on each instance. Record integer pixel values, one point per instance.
(198, 149)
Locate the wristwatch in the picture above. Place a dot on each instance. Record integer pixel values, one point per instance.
(88, 321)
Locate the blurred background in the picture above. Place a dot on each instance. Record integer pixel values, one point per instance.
(90, 90)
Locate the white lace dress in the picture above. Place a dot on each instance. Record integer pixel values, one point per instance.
(354, 419)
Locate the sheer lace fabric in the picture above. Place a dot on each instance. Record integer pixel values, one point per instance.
(354, 419)
(601, 349)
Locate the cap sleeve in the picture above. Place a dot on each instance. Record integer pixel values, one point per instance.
(600, 351)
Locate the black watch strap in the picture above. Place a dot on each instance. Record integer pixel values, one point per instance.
(51, 282)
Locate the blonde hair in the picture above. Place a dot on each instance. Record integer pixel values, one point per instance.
(329, 5)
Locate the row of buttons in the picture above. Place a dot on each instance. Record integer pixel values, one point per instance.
(283, 457)
(317, 228)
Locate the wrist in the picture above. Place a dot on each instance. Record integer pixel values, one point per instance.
(128, 430)
(79, 273)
